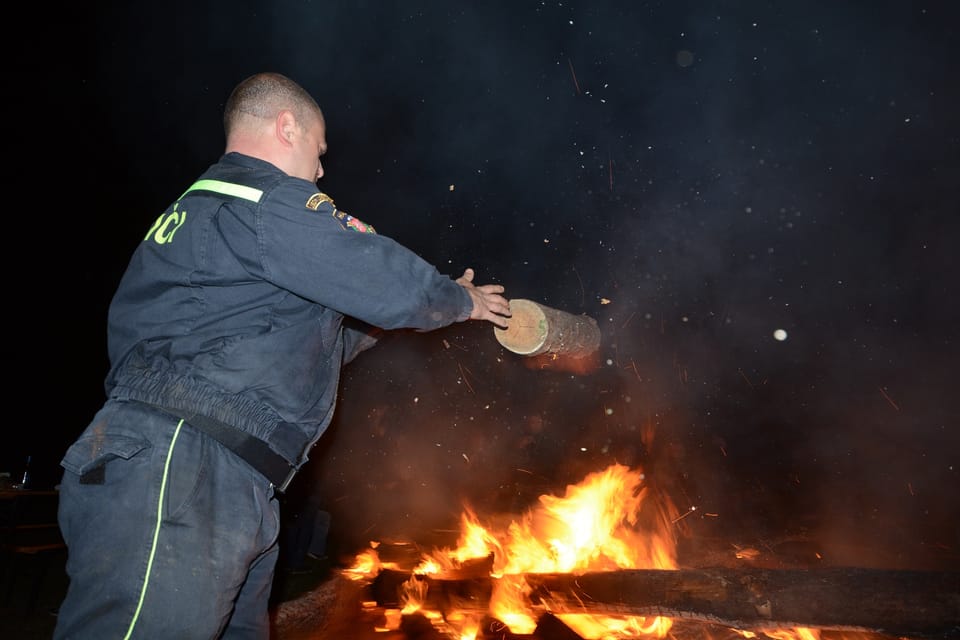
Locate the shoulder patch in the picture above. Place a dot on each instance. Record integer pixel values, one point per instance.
(318, 199)
(347, 221)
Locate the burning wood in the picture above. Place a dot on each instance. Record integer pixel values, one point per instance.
(600, 562)
(913, 604)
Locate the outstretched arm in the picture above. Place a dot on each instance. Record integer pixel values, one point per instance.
(488, 304)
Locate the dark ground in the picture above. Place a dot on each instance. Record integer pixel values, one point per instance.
(18, 621)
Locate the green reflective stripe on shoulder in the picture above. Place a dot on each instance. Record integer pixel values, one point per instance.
(226, 188)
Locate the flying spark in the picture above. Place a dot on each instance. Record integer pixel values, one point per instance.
(574, 74)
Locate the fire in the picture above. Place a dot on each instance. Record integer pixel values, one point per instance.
(612, 520)
(594, 527)
(366, 563)
(800, 633)
(604, 523)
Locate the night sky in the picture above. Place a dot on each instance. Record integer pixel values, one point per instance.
(693, 175)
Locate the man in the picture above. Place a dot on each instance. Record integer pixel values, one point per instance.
(226, 337)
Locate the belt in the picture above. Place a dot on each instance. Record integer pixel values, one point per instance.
(253, 450)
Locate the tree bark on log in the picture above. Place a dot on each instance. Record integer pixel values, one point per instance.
(534, 329)
(908, 604)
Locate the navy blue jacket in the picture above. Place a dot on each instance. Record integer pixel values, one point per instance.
(233, 305)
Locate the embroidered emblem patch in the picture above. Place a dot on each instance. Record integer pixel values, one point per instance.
(347, 221)
(318, 199)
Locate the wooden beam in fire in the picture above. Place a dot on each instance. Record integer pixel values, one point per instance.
(901, 603)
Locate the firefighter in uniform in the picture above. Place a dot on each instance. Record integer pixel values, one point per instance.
(226, 337)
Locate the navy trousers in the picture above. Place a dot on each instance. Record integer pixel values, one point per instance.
(169, 534)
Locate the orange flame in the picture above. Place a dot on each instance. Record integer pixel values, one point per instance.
(598, 525)
(607, 522)
(366, 564)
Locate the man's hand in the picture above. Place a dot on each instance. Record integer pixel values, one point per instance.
(488, 304)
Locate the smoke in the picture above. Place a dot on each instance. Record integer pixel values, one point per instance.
(694, 177)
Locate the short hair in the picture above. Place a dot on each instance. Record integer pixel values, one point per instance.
(264, 95)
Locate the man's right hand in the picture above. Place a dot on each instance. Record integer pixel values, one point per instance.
(488, 304)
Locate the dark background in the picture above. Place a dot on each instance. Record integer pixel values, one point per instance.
(693, 175)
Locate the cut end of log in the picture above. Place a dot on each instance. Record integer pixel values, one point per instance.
(534, 329)
(526, 330)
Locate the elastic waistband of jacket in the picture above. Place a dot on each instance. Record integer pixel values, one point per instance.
(184, 396)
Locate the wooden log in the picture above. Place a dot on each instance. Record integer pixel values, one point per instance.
(331, 610)
(535, 329)
(919, 604)
(906, 604)
(390, 587)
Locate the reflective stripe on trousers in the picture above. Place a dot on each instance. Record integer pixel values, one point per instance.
(170, 535)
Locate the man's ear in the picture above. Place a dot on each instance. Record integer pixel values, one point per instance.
(286, 126)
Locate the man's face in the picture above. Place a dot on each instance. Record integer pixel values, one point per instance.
(309, 147)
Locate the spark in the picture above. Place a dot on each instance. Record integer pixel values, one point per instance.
(889, 399)
(627, 321)
(573, 73)
(576, 273)
(746, 378)
(454, 344)
(681, 517)
(463, 375)
(610, 166)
